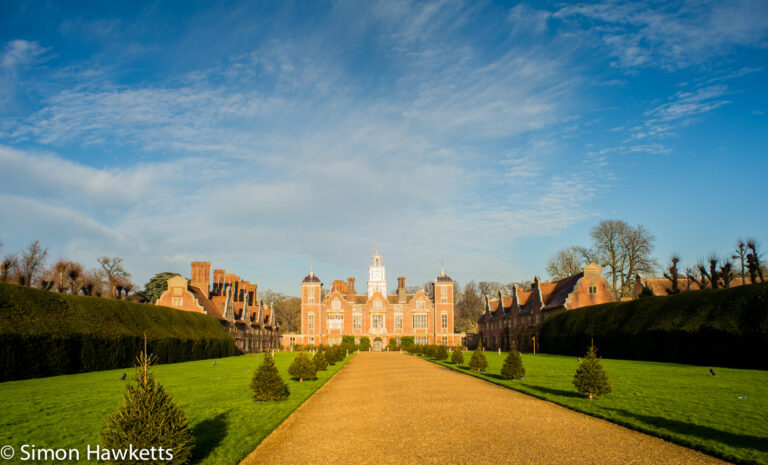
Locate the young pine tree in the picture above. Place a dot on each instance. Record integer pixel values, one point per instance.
(441, 353)
(457, 356)
(320, 362)
(302, 368)
(591, 378)
(267, 384)
(513, 365)
(148, 418)
(478, 361)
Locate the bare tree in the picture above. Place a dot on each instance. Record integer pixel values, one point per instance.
(699, 275)
(741, 256)
(113, 271)
(726, 273)
(565, 263)
(74, 273)
(8, 267)
(753, 261)
(672, 275)
(624, 250)
(31, 261)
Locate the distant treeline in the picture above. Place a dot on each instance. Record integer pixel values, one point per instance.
(45, 333)
(716, 327)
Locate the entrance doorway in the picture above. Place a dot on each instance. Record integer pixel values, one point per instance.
(378, 344)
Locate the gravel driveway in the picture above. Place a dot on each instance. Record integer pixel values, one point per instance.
(388, 408)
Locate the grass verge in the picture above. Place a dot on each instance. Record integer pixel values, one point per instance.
(725, 416)
(69, 411)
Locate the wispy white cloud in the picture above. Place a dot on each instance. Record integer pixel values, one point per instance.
(675, 35)
(16, 56)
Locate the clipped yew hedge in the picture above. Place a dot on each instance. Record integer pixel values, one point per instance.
(44, 333)
(717, 327)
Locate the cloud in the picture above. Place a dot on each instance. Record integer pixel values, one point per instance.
(289, 152)
(683, 109)
(676, 35)
(15, 58)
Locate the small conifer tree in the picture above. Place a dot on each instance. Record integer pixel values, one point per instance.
(457, 356)
(148, 417)
(441, 353)
(478, 361)
(513, 365)
(267, 384)
(302, 368)
(320, 362)
(591, 378)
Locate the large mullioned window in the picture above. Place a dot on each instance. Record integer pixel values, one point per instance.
(311, 322)
(444, 321)
(398, 321)
(335, 321)
(357, 321)
(420, 321)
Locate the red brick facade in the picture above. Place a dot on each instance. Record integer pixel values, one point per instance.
(517, 318)
(230, 300)
(427, 315)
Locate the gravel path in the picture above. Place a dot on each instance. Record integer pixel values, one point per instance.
(387, 408)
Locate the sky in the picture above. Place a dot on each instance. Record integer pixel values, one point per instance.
(271, 137)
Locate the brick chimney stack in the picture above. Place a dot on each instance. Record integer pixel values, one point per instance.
(201, 277)
(351, 285)
(401, 289)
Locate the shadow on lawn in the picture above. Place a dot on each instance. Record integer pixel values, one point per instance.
(208, 434)
(700, 432)
(557, 392)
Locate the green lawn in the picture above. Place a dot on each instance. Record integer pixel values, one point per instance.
(69, 411)
(726, 416)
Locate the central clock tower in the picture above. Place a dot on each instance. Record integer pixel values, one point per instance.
(377, 279)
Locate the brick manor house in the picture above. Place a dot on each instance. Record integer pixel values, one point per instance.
(426, 316)
(517, 318)
(230, 300)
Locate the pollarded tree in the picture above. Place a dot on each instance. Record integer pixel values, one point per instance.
(320, 362)
(148, 418)
(457, 356)
(478, 361)
(441, 353)
(267, 384)
(513, 365)
(302, 368)
(591, 379)
(672, 275)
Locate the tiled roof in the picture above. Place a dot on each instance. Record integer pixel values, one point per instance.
(311, 278)
(210, 308)
(554, 294)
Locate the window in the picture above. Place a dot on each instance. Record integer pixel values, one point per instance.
(419, 321)
(335, 321)
(292, 341)
(336, 305)
(398, 321)
(334, 340)
(421, 340)
(357, 321)
(445, 340)
(377, 322)
(444, 294)
(593, 289)
(311, 323)
(310, 296)
(178, 301)
(444, 321)
(312, 340)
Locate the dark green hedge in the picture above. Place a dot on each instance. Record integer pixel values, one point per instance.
(718, 327)
(44, 333)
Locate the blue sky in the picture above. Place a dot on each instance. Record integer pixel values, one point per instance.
(268, 136)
